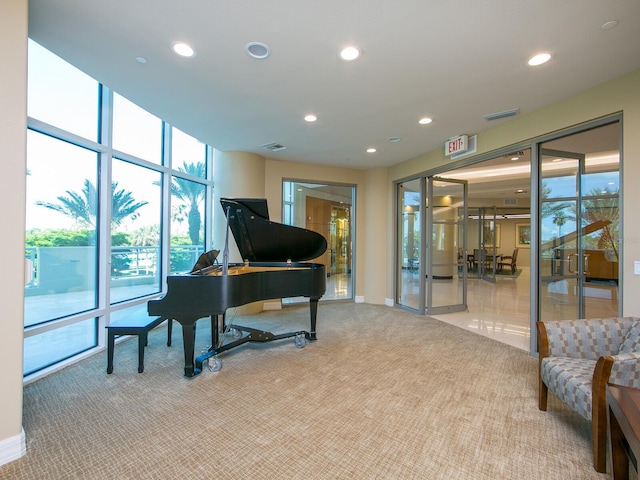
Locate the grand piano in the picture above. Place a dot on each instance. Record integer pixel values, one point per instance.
(274, 267)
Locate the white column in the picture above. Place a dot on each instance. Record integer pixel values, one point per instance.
(13, 127)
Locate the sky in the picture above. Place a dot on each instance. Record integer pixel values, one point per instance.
(61, 95)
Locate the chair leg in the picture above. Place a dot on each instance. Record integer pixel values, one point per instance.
(543, 392)
(599, 438)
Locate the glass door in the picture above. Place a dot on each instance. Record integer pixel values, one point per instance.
(446, 252)
(482, 259)
(488, 239)
(408, 243)
(328, 210)
(579, 234)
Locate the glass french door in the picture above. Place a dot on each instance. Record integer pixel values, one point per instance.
(482, 256)
(488, 241)
(446, 249)
(409, 238)
(579, 234)
(328, 210)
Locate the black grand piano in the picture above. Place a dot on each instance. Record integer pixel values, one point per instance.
(273, 268)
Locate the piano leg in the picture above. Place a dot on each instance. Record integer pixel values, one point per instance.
(189, 340)
(313, 307)
(215, 333)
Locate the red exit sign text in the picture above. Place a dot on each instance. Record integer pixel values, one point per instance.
(456, 145)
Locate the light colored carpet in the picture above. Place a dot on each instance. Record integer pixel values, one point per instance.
(382, 394)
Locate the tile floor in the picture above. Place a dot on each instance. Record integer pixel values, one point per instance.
(501, 310)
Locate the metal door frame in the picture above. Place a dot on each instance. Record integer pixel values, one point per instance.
(427, 276)
(580, 271)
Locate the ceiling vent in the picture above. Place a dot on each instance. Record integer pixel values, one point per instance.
(509, 202)
(274, 147)
(498, 115)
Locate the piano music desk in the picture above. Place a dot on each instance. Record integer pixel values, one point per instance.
(139, 326)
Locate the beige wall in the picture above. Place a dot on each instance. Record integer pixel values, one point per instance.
(276, 171)
(13, 124)
(238, 175)
(251, 175)
(263, 177)
(377, 236)
(620, 95)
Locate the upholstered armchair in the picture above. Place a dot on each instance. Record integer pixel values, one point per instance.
(577, 360)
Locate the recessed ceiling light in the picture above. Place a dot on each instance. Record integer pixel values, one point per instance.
(310, 118)
(539, 59)
(556, 160)
(371, 150)
(257, 50)
(394, 139)
(515, 158)
(609, 25)
(425, 121)
(183, 49)
(350, 53)
(141, 60)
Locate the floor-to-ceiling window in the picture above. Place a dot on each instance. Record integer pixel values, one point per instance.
(116, 198)
(580, 238)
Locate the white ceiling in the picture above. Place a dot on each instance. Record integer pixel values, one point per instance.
(454, 61)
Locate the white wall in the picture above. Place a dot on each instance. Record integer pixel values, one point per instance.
(13, 125)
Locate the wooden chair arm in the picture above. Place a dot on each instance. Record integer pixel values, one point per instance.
(543, 340)
(543, 352)
(599, 411)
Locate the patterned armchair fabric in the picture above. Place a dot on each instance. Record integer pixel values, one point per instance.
(579, 357)
(587, 338)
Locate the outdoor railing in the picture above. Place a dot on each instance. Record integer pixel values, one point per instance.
(126, 262)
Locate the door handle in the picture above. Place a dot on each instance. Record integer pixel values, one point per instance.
(585, 263)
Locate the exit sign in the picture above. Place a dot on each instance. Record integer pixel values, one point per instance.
(457, 144)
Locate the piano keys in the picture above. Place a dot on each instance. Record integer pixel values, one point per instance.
(274, 267)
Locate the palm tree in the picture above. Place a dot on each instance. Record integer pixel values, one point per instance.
(192, 193)
(559, 219)
(550, 208)
(602, 204)
(83, 206)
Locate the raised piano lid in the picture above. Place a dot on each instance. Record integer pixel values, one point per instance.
(261, 240)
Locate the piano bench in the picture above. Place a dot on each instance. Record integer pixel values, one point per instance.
(139, 326)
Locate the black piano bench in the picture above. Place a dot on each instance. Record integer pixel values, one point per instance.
(139, 326)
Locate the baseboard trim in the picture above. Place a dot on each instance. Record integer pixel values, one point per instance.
(389, 302)
(13, 448)
(359, 299)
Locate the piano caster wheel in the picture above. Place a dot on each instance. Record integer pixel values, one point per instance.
(214, 364)
(300, 340)
(236, 333)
